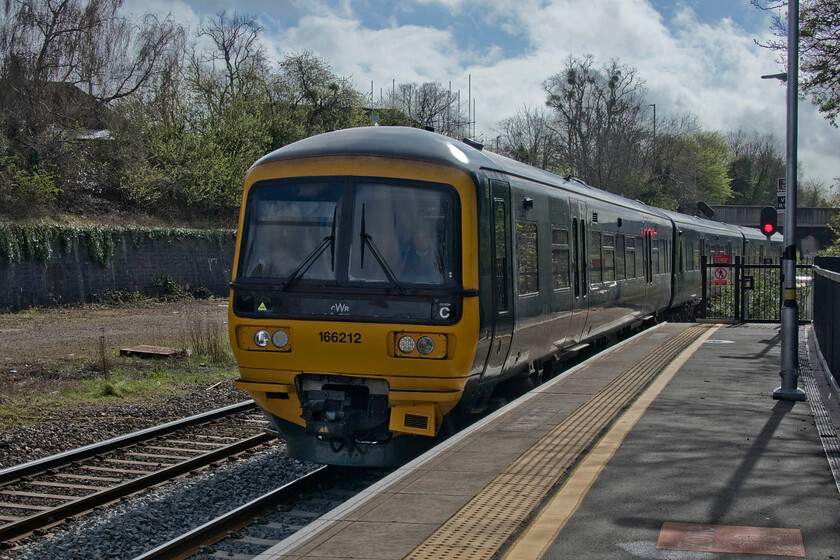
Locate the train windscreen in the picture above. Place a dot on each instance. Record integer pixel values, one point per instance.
(351, 237)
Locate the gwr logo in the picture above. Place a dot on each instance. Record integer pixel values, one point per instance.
(340, 308)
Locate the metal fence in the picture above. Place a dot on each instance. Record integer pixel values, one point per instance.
(752, 293)
(827, 311)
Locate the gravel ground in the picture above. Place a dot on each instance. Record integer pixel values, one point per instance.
(134, 527)
(76, 427)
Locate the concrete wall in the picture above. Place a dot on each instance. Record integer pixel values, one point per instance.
(70, 277)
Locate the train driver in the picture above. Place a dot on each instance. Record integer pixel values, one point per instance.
(420, 262)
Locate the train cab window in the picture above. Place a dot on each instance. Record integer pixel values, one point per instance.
(631, 256)
(347, 232)
(560, 266)
(609, 257)
(286, 226)
(414, 246)
(595, 258)
(526, 233)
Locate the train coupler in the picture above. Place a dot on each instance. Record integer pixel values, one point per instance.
(342, 408)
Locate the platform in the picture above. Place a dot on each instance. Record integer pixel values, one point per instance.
(667, 446)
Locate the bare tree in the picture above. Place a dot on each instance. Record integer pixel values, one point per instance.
(528, 137)
(242, 67)
(597, 116)
(431, 105)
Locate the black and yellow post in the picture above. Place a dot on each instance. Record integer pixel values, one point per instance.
(790, 311)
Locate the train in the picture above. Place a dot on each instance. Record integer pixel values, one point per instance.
(390, 285)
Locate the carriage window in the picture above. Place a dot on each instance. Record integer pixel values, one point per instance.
(526, 233)
(595, 259)
(655, 256)
(631, 257)
(560, 258)
(619, 257)
(663, 256)
(609, 258)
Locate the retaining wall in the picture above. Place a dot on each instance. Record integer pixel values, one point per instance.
(70, 275)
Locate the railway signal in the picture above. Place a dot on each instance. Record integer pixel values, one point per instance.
(768, 220)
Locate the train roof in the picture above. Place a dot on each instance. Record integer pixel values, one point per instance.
(388, 141)
(423, 145)
(701, 224)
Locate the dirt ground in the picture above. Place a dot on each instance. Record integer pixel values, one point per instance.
(43, 351)
(67, 339)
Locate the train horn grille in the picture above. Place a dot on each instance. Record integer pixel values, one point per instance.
(417, 419)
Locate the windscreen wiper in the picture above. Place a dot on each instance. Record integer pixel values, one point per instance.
(367, 240)
(328, 241)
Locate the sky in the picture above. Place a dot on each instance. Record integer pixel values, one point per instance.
(696, 56)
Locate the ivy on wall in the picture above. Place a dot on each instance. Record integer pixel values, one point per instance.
(35, 242)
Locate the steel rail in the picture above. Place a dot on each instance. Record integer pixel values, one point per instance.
(87, 503)
(217, 529)
(12, 474)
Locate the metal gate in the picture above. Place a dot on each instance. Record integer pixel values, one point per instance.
(751, 293)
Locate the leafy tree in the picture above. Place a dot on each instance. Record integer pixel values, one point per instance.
(759, 160)
(317, 100)
(819, 50)
(713, 161)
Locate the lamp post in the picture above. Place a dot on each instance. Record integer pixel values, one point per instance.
(790, 312)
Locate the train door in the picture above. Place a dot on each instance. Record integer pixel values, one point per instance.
(648, 251)
(580, 277)
(502, 280)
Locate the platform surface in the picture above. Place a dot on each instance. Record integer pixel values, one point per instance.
(670, 440)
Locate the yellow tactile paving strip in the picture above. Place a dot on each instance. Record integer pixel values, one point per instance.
(483, 526)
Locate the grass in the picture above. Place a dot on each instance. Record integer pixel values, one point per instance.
(107, 378)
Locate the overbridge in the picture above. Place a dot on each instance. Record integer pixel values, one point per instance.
(812, 230)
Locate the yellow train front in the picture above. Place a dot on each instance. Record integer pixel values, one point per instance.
(354, 311)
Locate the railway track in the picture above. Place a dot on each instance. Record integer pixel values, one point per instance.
(249, 530)
(41, 494)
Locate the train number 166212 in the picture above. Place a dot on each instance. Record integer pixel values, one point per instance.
(340, 337)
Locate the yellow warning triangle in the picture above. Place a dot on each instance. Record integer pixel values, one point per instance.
(261, 307)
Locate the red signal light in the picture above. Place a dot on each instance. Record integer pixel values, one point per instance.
(768, 220)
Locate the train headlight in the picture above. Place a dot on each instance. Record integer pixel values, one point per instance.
(406, 345)
(262, 338)
(425, 345)
(280, 339)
